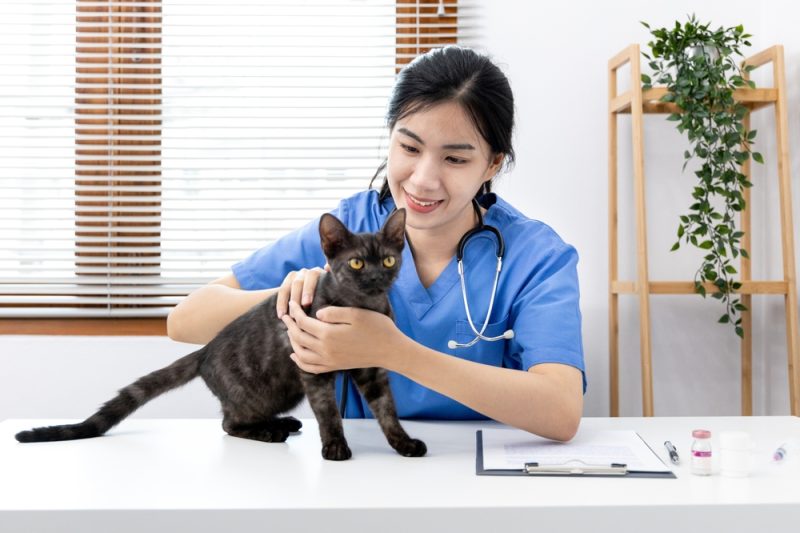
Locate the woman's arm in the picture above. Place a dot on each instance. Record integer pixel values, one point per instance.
(203, 313)
(547, 400)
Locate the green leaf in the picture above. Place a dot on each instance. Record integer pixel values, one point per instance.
(758, 157)
(724, 319)
(646, 79)
(740, 331)
(706, 245)
(730, 269)
(675, 246)
(674, 117)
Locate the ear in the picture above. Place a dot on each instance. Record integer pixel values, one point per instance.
(496, 163)
(394, 229)
(333, 235)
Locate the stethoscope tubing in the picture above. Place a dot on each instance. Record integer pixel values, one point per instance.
(499, 252)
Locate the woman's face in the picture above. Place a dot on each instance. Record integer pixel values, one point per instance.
(437, 162)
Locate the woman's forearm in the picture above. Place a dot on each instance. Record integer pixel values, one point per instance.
(545, 404)
(203, 313)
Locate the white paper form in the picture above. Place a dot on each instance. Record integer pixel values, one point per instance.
(505, 449)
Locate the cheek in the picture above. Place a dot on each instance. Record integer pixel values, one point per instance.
(398, 168)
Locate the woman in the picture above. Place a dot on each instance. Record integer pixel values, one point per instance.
(450, 120)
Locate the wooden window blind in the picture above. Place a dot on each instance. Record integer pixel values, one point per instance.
(147, 145)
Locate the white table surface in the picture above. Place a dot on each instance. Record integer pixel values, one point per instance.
(188, 475)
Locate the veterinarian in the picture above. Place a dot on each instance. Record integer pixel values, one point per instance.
(505, 345)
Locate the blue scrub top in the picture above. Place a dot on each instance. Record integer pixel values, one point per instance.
(537, 296)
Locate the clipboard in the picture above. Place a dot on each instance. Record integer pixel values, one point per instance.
(575, 467)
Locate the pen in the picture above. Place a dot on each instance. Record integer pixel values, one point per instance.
(673, 453)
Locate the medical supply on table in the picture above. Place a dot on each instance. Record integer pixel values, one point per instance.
(673, 453)
(786, 446)
(736, 453)
(701, 452)
(780, 453)
(500, 250)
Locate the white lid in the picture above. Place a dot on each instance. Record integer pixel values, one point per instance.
(735, 440)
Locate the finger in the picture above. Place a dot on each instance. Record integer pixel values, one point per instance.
(296, 291)
(337, 315)
(309, 286)
(282, 303)
(306, 323)
(298, 338)
(306, 367)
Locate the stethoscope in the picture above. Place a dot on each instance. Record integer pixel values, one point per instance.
(479, 336)
(499, 252)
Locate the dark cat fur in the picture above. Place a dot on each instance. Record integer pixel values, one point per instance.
(247, 365)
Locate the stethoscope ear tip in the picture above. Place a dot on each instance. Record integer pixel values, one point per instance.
(508, 334)
(452, 345)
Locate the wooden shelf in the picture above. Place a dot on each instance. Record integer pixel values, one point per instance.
(651, 104)
(637, 102)
(687, 287)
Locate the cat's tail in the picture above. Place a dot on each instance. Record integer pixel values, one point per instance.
(125, 403)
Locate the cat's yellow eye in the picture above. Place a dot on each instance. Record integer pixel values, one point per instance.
(356, 263)
(389, 261)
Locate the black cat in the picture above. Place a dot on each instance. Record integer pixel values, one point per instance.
(247, 365)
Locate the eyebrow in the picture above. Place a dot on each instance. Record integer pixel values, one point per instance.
(464, 146)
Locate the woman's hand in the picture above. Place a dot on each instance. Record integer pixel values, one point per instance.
(298, 287)
(340, 338)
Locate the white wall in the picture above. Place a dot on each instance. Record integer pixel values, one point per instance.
(556, 57)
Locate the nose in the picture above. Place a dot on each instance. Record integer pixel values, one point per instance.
(425, 175)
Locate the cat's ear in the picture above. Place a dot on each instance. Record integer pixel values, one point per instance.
(333, 234)
(393, 230)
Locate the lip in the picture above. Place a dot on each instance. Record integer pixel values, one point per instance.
(414, 203)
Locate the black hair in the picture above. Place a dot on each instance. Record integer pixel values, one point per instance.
(460, 75)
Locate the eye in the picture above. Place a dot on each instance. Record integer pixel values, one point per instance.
(356, 263)
(409, 149)
(389, 261)
(456, 160)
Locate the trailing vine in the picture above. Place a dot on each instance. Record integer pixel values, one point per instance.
(698, 67)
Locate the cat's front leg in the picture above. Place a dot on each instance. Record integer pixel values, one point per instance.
(322, 398)
(374, 386)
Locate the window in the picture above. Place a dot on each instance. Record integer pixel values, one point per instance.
(147, 145)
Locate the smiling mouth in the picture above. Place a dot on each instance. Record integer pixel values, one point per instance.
(423, 203)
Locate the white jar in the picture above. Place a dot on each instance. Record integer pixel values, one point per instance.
(701, 452)
(736, 453)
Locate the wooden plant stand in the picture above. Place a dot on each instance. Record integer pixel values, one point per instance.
(637, 103)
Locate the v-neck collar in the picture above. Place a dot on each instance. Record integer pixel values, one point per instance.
(422, 299)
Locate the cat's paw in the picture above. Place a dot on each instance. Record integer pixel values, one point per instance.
(411, 448)
(336, 451)
(290, 424)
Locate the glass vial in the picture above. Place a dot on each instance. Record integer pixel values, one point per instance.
(701, 452)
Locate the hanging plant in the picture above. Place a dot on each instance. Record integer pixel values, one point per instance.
(698, 67)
